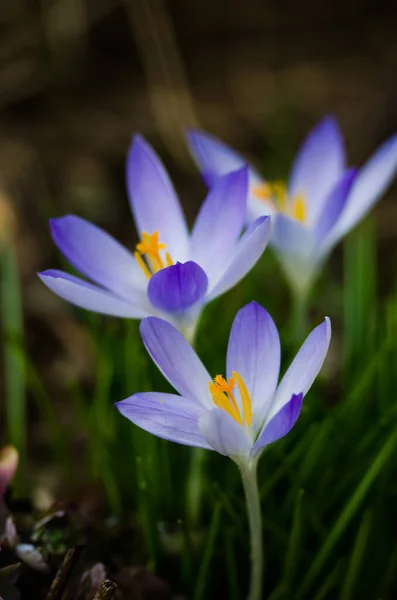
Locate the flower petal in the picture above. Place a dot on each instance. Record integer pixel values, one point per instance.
(280, 424)
(224, 434)
(247, 252)
(334, 204)
(297, 249)
(153, 200)
(98, 255)
(177, 288)
(88, 296)
(213, 157)
(168, 416)
(219, 223)
(318, 165)
(304, 368)
(176, 359)
(373, 179)
(254, 352)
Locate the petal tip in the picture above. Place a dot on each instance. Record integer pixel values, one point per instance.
(177, 288)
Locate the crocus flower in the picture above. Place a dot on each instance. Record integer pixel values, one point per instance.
(172, 272)
(238, 415)
(321, 202)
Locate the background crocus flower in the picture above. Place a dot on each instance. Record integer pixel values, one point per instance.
(238, 415)
(321, 202)
(172, 272)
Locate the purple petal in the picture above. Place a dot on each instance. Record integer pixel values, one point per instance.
(177, 288)
(304, 368)
(168, 416)
(334, 204)
(153, 200)
(219, 222)
(176, 359)
(371, 182)
(289, 236)
(224, 434)
(297, 249)
(88, 296)
(247, 252)
(318, 165)
(98, 255)
(281, 423)
(213, 157)
(254, 352)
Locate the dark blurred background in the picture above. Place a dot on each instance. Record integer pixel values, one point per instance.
(79, 77)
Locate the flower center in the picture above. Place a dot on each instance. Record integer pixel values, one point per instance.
(150, 247)
(222, 395)
(276, 193)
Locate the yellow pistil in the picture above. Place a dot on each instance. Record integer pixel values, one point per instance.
(222, 395)
(150, 247)
(276, 193)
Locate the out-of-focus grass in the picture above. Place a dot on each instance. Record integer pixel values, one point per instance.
(13, 333)
(327, 489)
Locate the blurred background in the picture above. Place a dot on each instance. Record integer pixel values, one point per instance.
(79, 77)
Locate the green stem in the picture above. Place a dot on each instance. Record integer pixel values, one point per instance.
(299, 316)
(250, 484)
(195, 485)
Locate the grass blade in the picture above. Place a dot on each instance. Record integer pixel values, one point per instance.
(356, 558)
(12, 319)
(208, 552)
(347, 514)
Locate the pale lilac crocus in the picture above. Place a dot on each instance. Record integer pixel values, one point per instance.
(237, 416)
(173, 273)
(322, 201)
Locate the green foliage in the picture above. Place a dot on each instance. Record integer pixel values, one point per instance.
(328, 489)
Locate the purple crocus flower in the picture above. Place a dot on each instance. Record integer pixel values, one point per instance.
(321, 202)
(172, 273)
(237, 416)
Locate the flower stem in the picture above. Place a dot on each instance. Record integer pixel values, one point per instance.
(250, 484)
(299, 316)
(195, 485)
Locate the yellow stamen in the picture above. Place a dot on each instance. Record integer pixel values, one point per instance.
(245, 398)
(276, 193)
(142, 264)
(263, 191)
(223, 397)
(151, 247)
(223, 402)
(298, 208)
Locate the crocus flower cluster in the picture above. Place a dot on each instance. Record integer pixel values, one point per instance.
(322, 201)
(172, 273)
(237, 415)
